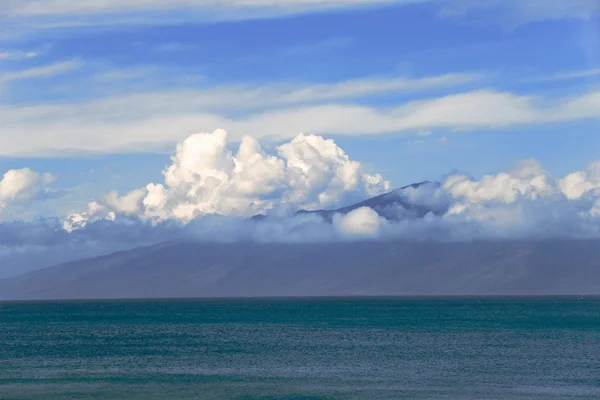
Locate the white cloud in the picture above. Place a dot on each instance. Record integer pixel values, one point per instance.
(577, 184)
(516, 12)
(566, 76)
(526, 202)
(207, 178)
(527, 180)
(61, 13)
(65, 13)
(151, 121)
(371, 86)
(523, 203)
(362, 222)
(309, 172)
(159, 118)
(22, 185)
(40, 72)
(17, 55)
(65, 7)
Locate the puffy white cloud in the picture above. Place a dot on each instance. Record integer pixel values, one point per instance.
(577, 184)
(524, 202)
(321, 174)
(22, 185)
(310, 172)
(527, 180)
(362, 222)
(206, 178)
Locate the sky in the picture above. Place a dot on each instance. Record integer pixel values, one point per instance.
(112, 108)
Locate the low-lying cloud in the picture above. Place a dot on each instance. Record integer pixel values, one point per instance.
(207, 181)
(210, 193)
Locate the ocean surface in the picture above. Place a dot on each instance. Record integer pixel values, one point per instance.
(302, 349)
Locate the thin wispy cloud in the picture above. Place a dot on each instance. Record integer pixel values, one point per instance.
(311, 49)
(205, 108)
(513, 13)
(172, 47)
(17, 55)
(144, 122)
(61, 13)
(60, 7)
(41, 71)
(567, 76)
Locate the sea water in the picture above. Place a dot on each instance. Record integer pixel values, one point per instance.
(470, 348)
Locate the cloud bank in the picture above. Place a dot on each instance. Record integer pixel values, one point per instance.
(207, 179)
(157, 119)
(210, 191)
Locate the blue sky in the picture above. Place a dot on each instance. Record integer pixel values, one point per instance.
(99, 95)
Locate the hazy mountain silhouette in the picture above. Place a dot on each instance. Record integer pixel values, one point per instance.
(367, 268)
(172, 270)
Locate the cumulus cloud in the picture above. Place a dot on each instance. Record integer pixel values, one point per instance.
(22, 185)
(525, 202)
(206, 178)
(577, 184)
(209, 191)
(362, 222)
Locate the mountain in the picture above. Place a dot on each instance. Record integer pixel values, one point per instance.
(369, 268)
(387, 205)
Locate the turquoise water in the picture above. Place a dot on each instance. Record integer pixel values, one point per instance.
(301, 349)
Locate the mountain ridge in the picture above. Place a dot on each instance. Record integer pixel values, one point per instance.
(365, 268)
(384, 204)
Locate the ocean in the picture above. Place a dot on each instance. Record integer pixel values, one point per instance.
(439, 348)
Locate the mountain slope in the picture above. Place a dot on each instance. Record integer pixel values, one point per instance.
(174, 270)
(387, 205)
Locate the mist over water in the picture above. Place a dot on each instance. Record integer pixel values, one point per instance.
(302, 349)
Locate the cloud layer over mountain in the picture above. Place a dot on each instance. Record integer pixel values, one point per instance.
(209, 192)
